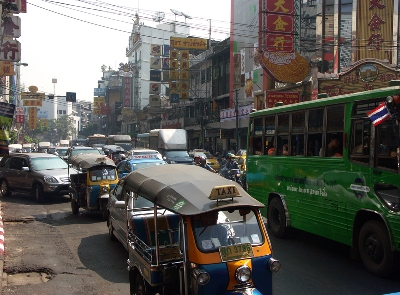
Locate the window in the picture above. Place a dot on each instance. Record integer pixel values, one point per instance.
(315, 128)
(297, 141)
(387, 142)
(203, 76)
(334, 131)
(360, 141)
(283, 132)
(208, 74)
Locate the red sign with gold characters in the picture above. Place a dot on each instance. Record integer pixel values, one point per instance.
(279, 39)
(285, 97)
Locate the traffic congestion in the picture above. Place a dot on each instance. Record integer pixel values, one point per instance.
(236, 147)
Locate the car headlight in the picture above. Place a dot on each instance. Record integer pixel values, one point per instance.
(243, 274)
(50, 179)
(274, 265)
(201, 276)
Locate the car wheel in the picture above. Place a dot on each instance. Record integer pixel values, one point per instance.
(110, 229)
(74, 206)
(277, 218)
(4, 188)
(375, 249)
(38, 193)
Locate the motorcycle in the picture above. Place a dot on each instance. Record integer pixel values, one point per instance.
(232, 174)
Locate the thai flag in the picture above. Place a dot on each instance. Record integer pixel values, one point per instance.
(379, 114)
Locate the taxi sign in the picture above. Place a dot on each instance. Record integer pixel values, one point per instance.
(224, 192)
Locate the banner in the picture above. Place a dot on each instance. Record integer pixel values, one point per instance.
(6, 117)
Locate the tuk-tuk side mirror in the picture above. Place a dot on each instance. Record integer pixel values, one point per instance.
(181, 234)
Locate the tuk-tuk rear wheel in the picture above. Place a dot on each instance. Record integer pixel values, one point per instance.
(74, 207)
(139, 288)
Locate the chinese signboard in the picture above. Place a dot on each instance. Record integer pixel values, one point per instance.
(11, 26)
(10, 51)
(280, 35)
(32, 103)
(6, 68)
(127, 91)
(375, 29)
(285, 97)
(33, 95)
(188, 43)
(229, 114)
(363, 76)
(32, 118)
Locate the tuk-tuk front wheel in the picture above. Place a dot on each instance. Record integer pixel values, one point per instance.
(74, 206)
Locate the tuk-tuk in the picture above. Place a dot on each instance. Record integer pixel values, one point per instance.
(211, 238)
(90, 187)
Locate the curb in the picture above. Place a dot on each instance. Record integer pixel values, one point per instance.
(1, 248)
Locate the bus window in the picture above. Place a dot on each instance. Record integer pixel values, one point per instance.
(315, 128)
(258, 126)
(334, 131)
(298, 146)
(282, 138)
(359, 149)
(388, 142)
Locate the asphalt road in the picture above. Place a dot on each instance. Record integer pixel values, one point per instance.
(77, 257)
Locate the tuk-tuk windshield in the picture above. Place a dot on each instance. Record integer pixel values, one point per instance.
(221, 228)
(102, 173)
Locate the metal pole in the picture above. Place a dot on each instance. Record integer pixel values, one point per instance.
(237, 120)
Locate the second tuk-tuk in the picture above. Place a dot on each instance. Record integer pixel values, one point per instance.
(210, 240)
(89, 189)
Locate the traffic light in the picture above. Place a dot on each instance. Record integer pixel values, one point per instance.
(71, 96)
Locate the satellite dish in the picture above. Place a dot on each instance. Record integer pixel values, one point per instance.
(186, 15)
(176, 12)
(158, 16)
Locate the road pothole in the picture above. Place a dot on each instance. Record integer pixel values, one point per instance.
(20, 277)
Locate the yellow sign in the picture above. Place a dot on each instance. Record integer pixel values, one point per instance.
(97, 111)
(99, 101)
(32, 95)
(224, 192)
(188, 43)
(127, 112)
(32, 118)
(236, 252)
(32, 102)
(6, 68)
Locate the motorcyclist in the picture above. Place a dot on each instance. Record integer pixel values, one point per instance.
(197, 160)
(203, 164)
(231, 165)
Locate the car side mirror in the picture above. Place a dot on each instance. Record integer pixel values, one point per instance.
(26, 169)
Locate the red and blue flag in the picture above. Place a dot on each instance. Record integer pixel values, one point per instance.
(379, 114)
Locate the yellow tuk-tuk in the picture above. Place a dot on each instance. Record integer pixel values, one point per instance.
(89, 189)
(211, 238)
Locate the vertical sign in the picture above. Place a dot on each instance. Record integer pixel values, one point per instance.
(127, 91)
(32, 118)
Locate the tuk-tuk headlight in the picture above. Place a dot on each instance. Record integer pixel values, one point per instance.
(201, 276)
(105, 189)
(274, 265)
(243, 274)
(50, 179)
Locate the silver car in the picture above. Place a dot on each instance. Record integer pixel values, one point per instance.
(39, 174)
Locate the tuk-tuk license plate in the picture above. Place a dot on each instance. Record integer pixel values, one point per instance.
(236, 252)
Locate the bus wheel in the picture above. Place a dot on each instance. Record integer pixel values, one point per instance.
(374, 248)
(277, 218)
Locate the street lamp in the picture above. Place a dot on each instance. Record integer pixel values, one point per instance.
(18, 91)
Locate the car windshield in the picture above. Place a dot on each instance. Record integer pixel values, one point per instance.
(84, 151)
(102, 173)
(49, 163)
(176, 154)
(141, 165)
(222, 228)
(61, 152)
(126, 146)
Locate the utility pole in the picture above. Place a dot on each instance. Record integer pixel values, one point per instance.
(237, 120)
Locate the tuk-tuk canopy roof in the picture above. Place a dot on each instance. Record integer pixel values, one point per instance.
(112, 148)
(86, 161)
(187, 189)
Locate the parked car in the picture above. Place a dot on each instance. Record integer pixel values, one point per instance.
(61, 152)
(39, 174)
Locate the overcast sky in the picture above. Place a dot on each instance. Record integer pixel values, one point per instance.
(69, 39)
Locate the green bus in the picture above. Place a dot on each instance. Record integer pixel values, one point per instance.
(323, 167)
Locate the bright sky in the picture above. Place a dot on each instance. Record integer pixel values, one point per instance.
(70, 39)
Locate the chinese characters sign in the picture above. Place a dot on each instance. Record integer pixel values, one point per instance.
(375, 29)
(279, 33)
(285, 97)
